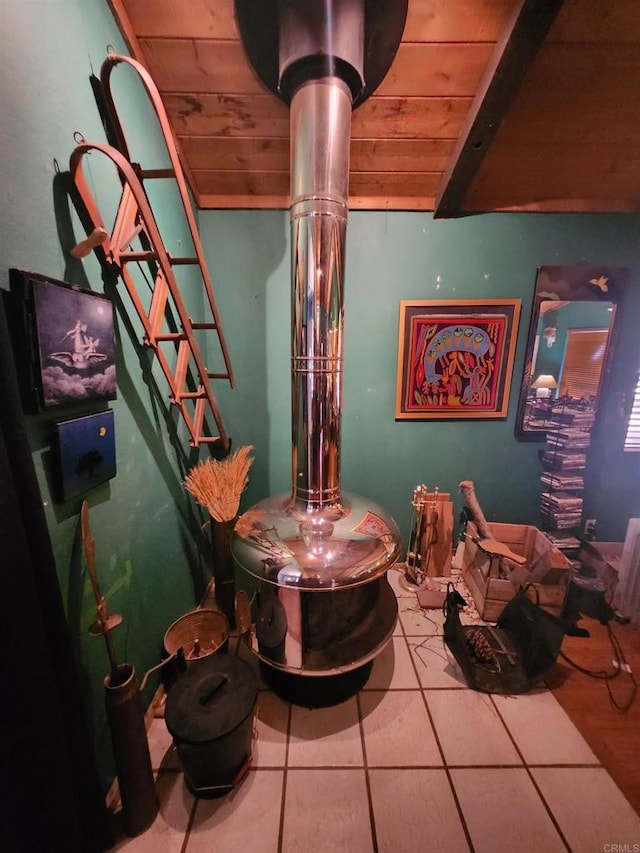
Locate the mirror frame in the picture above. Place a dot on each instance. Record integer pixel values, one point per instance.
(581, 282)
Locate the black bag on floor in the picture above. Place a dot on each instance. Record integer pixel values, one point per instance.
(512, 657)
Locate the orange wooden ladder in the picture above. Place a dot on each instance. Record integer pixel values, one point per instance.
(135, 221)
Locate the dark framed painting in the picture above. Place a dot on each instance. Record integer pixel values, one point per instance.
(455, 358)
(85, 452)
(63, 340)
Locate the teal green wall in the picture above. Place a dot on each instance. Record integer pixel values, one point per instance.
(145, 527)
(390, 257)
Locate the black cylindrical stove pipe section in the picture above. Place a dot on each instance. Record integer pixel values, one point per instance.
(224, 568)
(320, 39)
(125, 716)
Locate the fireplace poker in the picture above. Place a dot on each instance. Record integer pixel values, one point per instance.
(105, 622)
(125, 713)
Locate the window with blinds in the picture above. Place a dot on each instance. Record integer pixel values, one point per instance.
(583, 361)
(632, 438)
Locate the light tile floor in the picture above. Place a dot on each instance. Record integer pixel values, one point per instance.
(414, 762)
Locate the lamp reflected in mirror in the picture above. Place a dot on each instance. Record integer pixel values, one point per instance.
(544, 385)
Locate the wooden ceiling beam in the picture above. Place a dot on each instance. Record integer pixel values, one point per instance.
(127, 31)
(513, 54)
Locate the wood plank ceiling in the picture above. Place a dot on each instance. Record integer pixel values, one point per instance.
(489, 105)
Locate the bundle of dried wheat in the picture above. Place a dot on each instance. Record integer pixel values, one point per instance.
(218, 484)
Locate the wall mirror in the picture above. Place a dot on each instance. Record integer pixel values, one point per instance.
(570, 343)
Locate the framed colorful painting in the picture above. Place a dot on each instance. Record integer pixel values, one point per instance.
(455, 358)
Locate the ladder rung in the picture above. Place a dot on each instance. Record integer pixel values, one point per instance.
(209, 439)
(204, 325)
(191, 395)
(128, 257)
(157, 173)
(149, 255)
(217, 375)
(176, 262)
(170, 336)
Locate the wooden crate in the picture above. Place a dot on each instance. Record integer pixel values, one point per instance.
(491, 593)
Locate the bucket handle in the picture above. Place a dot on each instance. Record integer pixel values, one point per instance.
(179, 654)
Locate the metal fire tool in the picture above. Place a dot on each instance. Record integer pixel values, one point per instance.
(415, 570)
(431, 534)
(125, 714)
(502, 649)
(106, 622)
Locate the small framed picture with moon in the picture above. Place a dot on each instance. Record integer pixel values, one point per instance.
(85, 452)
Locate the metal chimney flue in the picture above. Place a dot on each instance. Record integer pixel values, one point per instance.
(320, 120)
(320, 555)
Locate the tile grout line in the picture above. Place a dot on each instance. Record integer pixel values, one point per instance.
(521, 756)
(370, 771)
(190, 822)
(454, 793)
(530, 774)
(367, 780)
(284, 779)
(548, 808)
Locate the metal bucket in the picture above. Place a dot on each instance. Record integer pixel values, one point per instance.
(190, 638)
(199, 633)
(210, 713)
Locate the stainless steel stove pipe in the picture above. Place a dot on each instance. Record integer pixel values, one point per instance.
(323, 605)
(320, 134)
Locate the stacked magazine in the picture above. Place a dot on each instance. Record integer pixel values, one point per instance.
(564, 462)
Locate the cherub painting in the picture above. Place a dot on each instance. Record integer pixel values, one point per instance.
(75, 342)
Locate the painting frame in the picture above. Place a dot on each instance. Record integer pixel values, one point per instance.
(64, 342)
(456, 358)
(85, 454)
